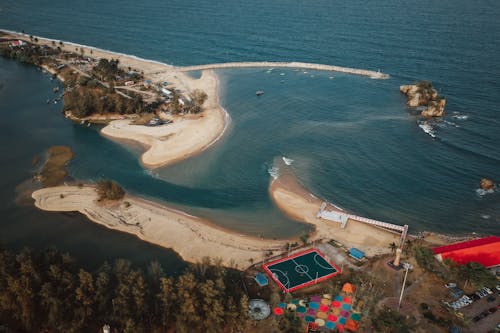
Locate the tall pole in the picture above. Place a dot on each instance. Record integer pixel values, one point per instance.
(316, 277)
(403, 288)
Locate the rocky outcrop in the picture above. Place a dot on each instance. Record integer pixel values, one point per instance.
(487, 184)
(423, 94)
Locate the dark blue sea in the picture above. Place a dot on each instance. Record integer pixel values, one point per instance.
(352, 139)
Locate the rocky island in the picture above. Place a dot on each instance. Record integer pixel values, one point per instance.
(423, 94)
(487, 184)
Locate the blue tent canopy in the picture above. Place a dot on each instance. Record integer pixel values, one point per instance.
(356, 253)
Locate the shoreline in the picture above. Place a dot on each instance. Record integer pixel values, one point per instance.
(187, 136)
(298, 203)
(193, 238)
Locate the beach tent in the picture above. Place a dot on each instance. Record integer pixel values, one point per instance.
(351, 325)
(348, 288)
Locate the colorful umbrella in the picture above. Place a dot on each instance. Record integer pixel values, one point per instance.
(301, 309)
(309, 319)
(278, 311)
(291, 307)
(330, 325)
(311, 312)
(347, 300)
(326, 301)
(336, 304)
(315, 298)
(332, 318)
(320, 322)
(338, 298)
(340, 327)
(344, 313)
(295, 301)
(323, 308)
(356, 317)
(314, 305)
(322, 315)
(342, 320)
(346, 307)
(282, 305)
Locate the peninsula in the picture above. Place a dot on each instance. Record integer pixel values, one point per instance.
(174, 116)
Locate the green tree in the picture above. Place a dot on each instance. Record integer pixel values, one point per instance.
(109, 190)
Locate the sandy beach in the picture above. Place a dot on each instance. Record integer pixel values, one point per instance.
(186, 136)
(298, 203)
(193, 238)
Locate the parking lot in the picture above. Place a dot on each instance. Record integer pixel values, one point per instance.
(487, 323)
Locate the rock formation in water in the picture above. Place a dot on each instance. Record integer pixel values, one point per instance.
(423, 94)
(487, 184)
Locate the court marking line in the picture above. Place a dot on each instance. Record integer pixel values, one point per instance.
(287, 284)
(296, 264)
(317, 263)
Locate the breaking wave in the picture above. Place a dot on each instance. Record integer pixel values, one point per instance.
(288, 161)
(427, 129)
(274, 172)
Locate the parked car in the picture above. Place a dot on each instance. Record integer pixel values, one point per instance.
(492, 310)
(491, 299)
(450, 285)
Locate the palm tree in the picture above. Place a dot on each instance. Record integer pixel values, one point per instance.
(393, 247)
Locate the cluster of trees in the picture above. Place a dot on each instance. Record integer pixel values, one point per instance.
(471, 272)
(195, 106)
(48, 291)
(107, 70)
(109, 190)
(28, 54)
(87, 100)
(387, 320)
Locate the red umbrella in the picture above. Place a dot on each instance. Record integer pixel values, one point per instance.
(332, 318)
(336, 304)
(278, 311)
(323, 308)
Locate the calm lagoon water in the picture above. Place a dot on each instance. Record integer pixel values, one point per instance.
(351, 138)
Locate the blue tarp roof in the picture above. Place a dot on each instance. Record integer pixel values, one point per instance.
(261, 279)
(356, 253)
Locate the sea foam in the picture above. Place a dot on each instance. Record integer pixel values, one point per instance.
(288, 161)
(274, 172)
(427, 129)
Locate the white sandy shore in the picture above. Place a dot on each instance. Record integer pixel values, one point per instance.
(186, 136)
(193, 238)
(298, 203)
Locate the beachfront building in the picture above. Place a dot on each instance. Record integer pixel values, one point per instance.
(485, 251)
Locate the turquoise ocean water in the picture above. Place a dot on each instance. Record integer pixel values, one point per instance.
(351, 139)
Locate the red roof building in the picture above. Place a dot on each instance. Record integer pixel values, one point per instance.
(485, 251)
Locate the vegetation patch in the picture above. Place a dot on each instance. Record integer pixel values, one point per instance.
(54, 171)
(109, 190)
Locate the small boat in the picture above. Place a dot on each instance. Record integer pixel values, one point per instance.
(259, 92)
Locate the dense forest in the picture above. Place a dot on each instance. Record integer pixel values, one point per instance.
(48, 291)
